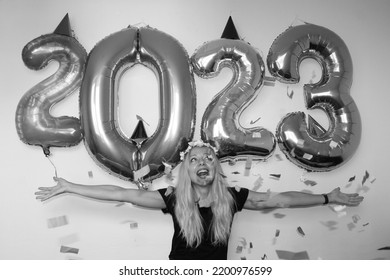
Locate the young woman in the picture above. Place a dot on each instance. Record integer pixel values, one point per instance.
(202, 204)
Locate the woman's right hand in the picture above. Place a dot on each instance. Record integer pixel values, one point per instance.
(45, 193)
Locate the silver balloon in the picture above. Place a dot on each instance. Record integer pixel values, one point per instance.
(336, 146)
(220, 123)
(34, 123)
(99, 99)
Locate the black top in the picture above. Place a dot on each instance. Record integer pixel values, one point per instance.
(206, 250)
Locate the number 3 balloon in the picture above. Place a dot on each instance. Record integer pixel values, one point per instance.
(332, 94)
(103, 137)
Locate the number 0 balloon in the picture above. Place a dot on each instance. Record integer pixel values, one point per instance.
(103, 137)
(331, 94)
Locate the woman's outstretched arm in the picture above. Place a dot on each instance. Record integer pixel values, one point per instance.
(150, 199)
(262, 200)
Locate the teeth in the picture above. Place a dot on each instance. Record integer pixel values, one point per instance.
(202, 172)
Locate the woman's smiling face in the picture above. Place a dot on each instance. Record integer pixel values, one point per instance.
(201, 166)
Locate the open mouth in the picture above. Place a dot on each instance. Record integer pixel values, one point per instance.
(202, 173)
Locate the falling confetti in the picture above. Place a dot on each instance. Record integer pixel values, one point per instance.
(138, 174)
(287, 255)
(373, 180)
(351, 226)
(279, 216)
(310, 183)
(277, 233)
(290, 94)
(236, 172)
(366, 224)
(355, 218)
(331, 225)
(352, 179)
(255, 121)
(133, 225)
(365, 177)
(258, 183)
(57, 222)
(243, 242)
(248, 165)
(239, 250)
(275, 176)
(141, 119)
(66, 249)
(278, 157)
(69, 239)
(300, 231)
(90, 174)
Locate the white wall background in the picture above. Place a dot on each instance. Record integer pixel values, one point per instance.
(101, 230)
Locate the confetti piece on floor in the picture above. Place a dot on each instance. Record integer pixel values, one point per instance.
(287, 255)
(373, 180)
(277, 233)
(275, 176)
(248, 166)
(355, 218)
(243, 258)
(239, 250)
(352, 179)
(365, 177)
(236, 172)
(250, 245)
(279, 215)
(90, 174)
(264, 257)
(66, 249)
(366, 224)
(57, 222)
(300, 231)
(385, 248)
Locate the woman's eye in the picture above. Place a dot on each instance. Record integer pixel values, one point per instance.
(209, 158)
(193, 160)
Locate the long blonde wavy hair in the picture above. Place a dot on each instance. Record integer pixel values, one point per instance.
(187, 212)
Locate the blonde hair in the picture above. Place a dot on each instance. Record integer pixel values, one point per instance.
(187, 212)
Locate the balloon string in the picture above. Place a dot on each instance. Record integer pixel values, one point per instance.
(55, 169)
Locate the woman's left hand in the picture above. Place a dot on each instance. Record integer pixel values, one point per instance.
(337, 197)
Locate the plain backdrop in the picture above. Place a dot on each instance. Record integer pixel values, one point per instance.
(103, 230)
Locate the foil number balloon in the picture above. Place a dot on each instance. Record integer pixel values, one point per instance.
(34, 123)
(332, 94)
(103, 137)
(220, 123)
